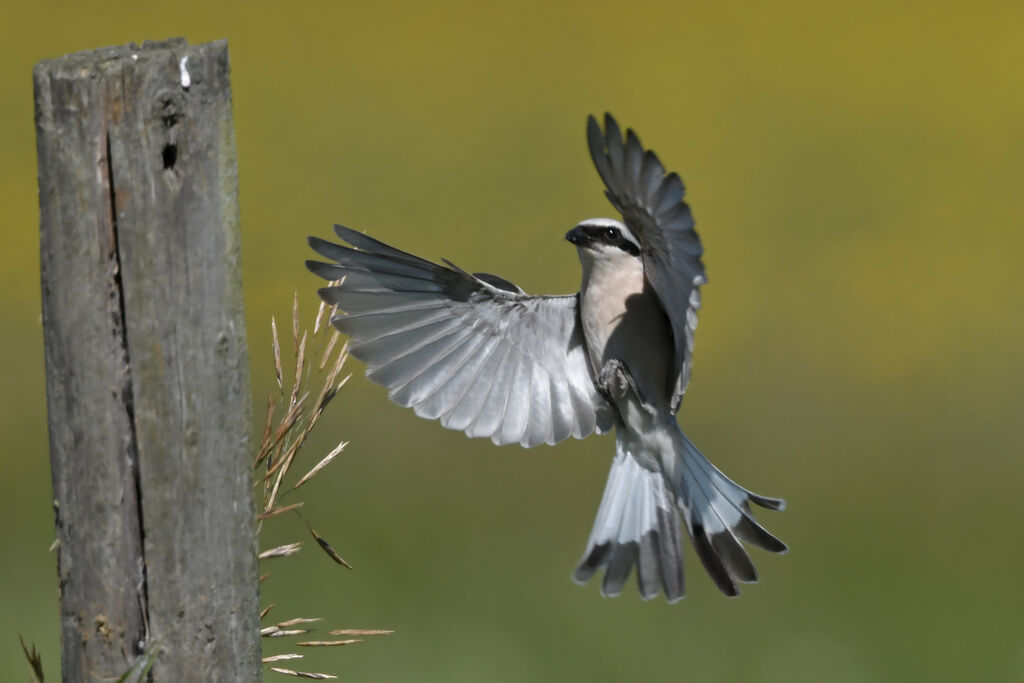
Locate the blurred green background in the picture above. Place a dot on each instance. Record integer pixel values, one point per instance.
(855, 171)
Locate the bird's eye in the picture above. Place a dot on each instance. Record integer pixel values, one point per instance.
(611, 233)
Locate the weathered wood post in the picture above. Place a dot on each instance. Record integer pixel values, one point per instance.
(146, 364)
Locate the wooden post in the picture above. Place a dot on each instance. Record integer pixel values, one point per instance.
(146, 364)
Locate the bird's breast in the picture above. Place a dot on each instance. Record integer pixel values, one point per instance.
(623, 320)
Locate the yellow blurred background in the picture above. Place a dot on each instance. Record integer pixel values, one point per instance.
(855, 172)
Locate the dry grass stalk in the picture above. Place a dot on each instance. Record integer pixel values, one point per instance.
(298, 621)
(281, 464)
(278, 511)
(361, 632)
(320, 465)
(320, 311)
(300, 365)
(275, 632)
(281, 551)
(328, 391)
(302, 674)
(35, 660)
(284, 461)
(282, 657)
(270, 419)
(277, 354)
(335, 336)
(266, 439)
(266, 611)
(295, 322)
(328, 549)
(287, 422)
(317, 355)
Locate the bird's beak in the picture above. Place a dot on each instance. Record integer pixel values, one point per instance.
(576, 236)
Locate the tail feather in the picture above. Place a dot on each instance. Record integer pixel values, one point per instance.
(638, 522)
(717, 514)
(736, 499)
(749, 530)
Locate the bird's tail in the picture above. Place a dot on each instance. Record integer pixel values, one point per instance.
(638, 524)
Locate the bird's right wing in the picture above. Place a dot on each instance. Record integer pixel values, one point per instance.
(651, 204)
(471, 350)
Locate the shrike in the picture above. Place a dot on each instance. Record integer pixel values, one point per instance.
(477, 353)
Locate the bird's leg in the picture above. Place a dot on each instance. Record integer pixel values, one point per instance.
(614, 379)
(616, 382)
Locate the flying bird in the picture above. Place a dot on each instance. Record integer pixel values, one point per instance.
(477, 353)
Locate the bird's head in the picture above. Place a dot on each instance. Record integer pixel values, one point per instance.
(597, 238)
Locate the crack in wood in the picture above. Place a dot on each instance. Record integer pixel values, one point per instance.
(139, 644)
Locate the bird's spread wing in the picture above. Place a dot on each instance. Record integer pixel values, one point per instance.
(471, 350)
(652, 206)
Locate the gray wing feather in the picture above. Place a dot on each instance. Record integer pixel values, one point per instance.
(474, 352)
(492, 411)
(651, 204)
(470, 404)
(517, 409)
(561, 412)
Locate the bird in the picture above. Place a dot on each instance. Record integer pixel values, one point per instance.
(476, 352)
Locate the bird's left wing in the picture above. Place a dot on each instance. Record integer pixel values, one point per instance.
(471, 350)
(651, 204)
